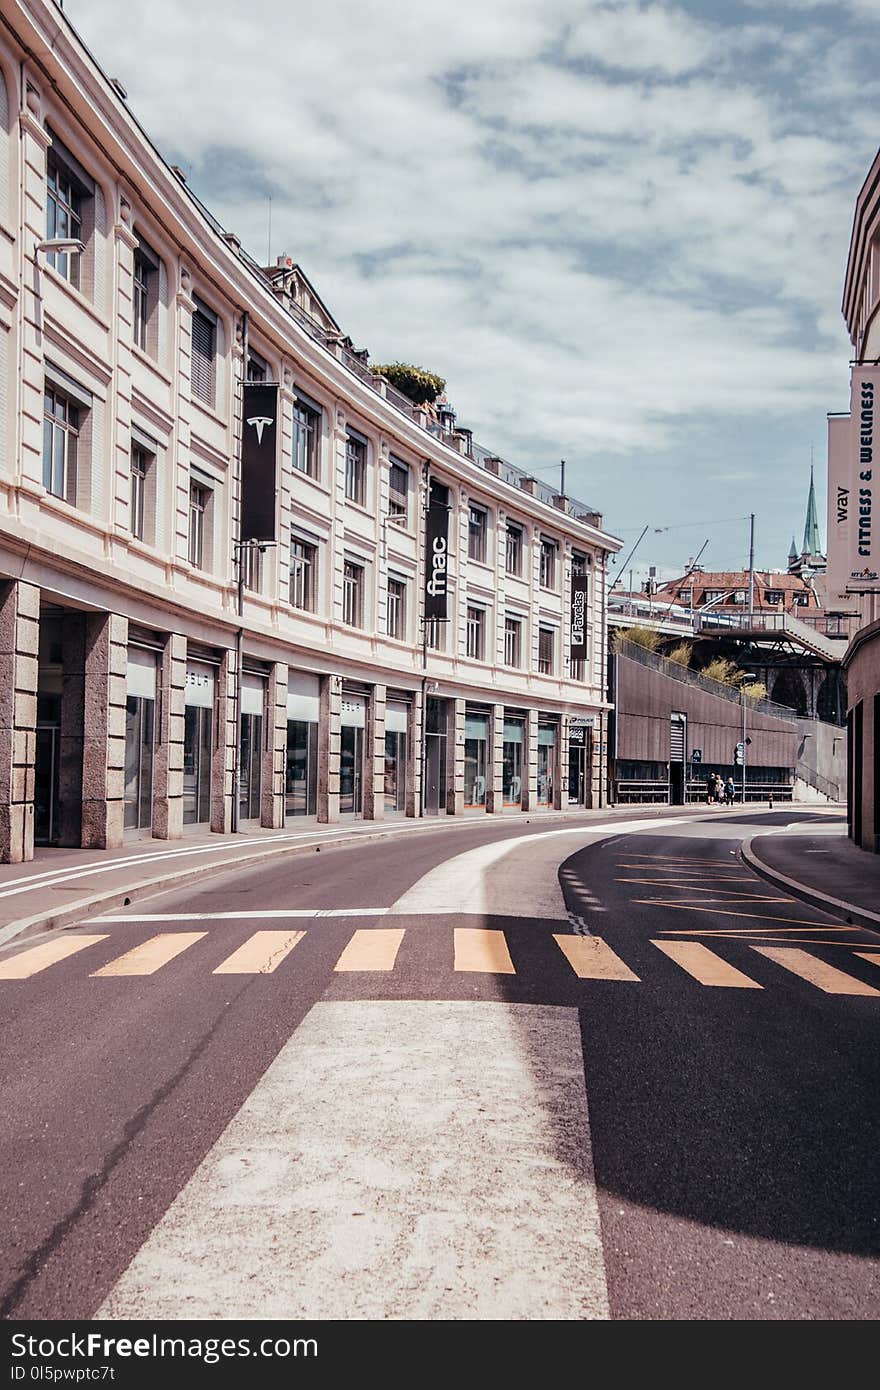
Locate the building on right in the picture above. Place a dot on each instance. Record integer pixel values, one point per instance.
(853, 573)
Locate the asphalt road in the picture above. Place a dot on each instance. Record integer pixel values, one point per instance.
(503, 1072)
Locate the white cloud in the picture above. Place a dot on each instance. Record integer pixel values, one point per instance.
(607, 224)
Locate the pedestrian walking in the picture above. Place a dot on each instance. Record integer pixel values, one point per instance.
(719, 789)
(730, 791)
(710, 788)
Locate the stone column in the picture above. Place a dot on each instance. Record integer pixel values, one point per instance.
(103, 772)
(495, 770)
(530, 761)
(374, 756)
(225, 745)
(274, 754)
(329, 749)
(415, 757)
(168, 757)
(19, 666)
(455, 805)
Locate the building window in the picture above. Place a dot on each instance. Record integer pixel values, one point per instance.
(145, 307)
(353, 594)
(548, 564)
(64, 216)
(356, 470)
(716, 595)
(773, 596)
(60, 436)
(478, 526)
(546, 650)
(257, 369)
(251, 561)
(740, 596)
(513, 551)
(398, 490)
(513, 641)
(306, 438)
(802, 600)
(303, 574)
(140, 467)
(204, 355)
(396, 608)
(476, 632)
(435, 635)
(199, 501)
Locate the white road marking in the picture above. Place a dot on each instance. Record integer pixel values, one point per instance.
(269, 914)
(398, 1160)
(508, 878)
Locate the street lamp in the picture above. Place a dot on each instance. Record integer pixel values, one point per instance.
(744, 676)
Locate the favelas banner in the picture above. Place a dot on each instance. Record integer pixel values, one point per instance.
(437, 555)
(580, 588)
(258, 461)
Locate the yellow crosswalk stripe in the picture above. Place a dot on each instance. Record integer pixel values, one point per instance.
(38, 958)
(482, 950)
(592, 959)
(260, 954)
(371, 948)
(815, 971)
(151, 955)
(872, 956)
(704, 965)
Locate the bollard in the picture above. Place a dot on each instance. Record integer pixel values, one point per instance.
(770, 802)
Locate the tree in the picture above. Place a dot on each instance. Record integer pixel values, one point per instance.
(418, 385)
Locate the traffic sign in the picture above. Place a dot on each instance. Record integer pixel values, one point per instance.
(738, 753)
(697, 755)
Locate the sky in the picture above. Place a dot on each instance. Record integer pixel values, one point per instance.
(617, 229)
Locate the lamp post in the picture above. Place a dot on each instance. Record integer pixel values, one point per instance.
(745, 676)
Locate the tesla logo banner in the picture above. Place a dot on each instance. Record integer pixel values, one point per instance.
(580, 585)
(259, 435)
(436, 557)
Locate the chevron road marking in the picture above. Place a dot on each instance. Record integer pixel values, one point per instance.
(704, 965)
(816, 972)
(261, 953)
(38, 958)
(151, 955)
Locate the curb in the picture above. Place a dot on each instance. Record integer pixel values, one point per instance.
(852, 915)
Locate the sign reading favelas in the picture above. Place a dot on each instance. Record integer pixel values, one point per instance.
(437, 555)
(259, 434)
(580, 588)
(853, 494)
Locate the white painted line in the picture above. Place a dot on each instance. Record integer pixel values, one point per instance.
(462, 1187)
(269, 914)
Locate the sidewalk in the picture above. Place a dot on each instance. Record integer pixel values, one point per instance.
(60, 886)
(823, 868)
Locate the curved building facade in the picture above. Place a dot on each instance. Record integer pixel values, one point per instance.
(160, 670)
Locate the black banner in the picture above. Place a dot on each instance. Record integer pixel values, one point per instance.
(580, 586)
(437, 554)
(258, 461)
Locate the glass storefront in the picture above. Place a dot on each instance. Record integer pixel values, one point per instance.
(435, 756)
(198, 727)
(476, 745)
(140, 705)
(301, 769)
(351, 754)
(395, 757)
(512, 762)
(250, 748)
(580, 753)
(546, 763)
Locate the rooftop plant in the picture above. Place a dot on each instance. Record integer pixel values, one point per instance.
(418, 385)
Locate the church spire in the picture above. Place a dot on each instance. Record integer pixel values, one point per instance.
(812, 540)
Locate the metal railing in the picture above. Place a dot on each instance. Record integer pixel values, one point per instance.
(787, 624)
(633, 652)
(824, 785)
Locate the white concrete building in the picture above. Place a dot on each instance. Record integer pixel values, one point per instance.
(123, 707)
